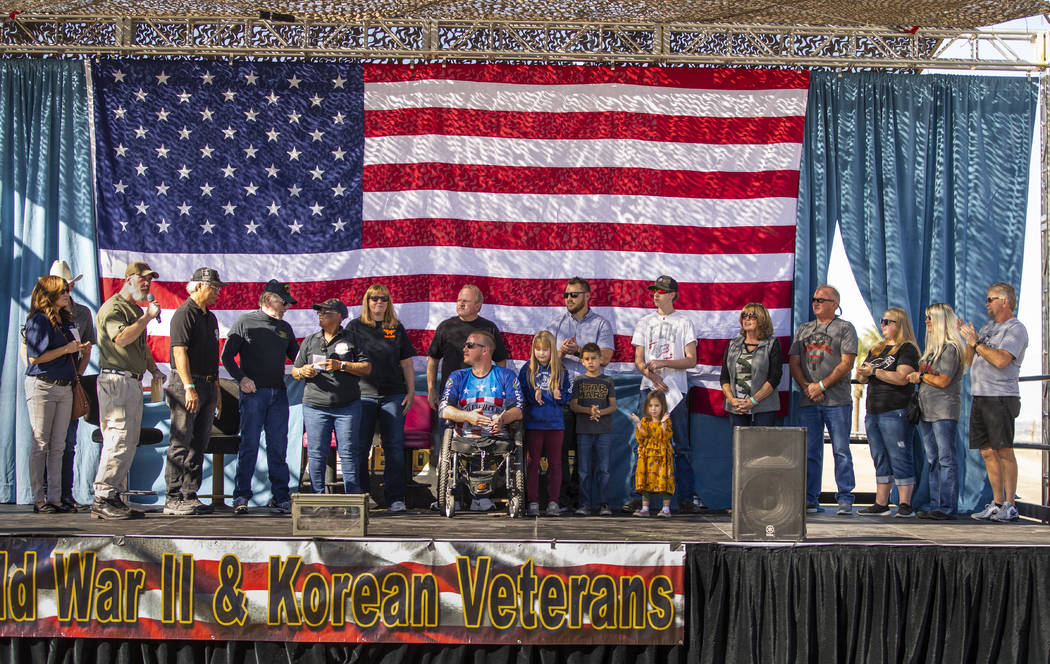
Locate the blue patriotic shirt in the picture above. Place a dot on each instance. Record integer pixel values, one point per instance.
(494, 393)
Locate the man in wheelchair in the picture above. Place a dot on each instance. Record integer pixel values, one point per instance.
(481, 403)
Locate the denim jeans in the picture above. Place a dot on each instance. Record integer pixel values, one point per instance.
(837, 421)
(266, 409)
(889, 438)
(752, 420)
(938, 439)
(684, 482)
(594, 450)
(319, 424)
(387, 410)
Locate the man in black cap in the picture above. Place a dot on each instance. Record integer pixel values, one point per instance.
(263, 340)
(193, 391)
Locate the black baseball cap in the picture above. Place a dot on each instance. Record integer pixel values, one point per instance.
(280, 290)
(333, 303)
(207, 275)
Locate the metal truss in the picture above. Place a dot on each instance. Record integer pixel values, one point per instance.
(441, 40)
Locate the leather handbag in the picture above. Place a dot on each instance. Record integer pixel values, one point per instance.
(80, 400)
(913, 411)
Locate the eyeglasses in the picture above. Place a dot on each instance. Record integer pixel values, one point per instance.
(64, 291)
(325, 312)
(989, 300)
(821, 300)
(749, 314)
(379, 298)
(888, 321)
(568, 294)
(473, 344)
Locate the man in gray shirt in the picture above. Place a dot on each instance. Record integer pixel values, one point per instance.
(996, 353)
(821, 360)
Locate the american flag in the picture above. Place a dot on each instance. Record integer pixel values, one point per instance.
(334, 176)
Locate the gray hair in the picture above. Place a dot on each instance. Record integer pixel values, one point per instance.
(1007, 291)
(838, 298)
(192, 286)
(268, 299)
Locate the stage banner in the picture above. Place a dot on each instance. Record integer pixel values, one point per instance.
(447, 592)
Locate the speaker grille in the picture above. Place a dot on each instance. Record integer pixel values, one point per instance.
(769, 484)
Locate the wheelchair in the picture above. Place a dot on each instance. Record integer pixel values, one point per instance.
(502, 467)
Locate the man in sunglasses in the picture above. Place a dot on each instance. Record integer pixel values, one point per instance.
(996, 353)
(821, 360)
(263, 340)
(664, 350)
(573, 329)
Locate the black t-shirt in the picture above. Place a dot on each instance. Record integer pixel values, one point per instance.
(385, 349)
(262, 342)
(882, 396)
(198, 331)
(330, 389)
(449, 337)
(589, 392)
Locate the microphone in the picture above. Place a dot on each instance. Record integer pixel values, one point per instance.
(151, 300)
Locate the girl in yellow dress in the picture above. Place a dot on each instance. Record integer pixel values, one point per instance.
(655, 473)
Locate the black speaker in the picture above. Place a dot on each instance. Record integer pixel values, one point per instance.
(769, 484)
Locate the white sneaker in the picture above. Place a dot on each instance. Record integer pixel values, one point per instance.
(845, 508)
(990, 510)
(1006, 513)
(482, 505)
(397, 506)
(534, 509)
(553, 509)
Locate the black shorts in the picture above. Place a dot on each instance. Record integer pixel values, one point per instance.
(992, 422)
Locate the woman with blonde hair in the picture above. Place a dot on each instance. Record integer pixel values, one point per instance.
(939, 378)
(53, 350)
(885, 371)
(387, 393)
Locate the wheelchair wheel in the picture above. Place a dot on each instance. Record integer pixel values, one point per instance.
(447, 476)
(516, 482)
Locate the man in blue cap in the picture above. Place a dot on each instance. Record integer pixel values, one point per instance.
(262, 340)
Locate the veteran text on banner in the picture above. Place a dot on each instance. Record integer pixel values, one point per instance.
(315, 590)
(334, 176)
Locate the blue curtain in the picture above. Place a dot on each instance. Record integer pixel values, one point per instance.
(46, 213)
(927, 178)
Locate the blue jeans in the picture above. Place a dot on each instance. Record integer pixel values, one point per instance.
(264, 410)
(684, 482)
(889, 438)
(392, 431)
(752, 420)
(938, 439)
(837, 421)
(319, 424)
(593, 447)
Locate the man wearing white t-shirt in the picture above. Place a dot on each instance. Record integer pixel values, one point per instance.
(664, 349)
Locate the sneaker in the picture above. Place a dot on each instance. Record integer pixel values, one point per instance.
(814, 509)
(397, 506)
(1006, 513)
(698, 501)
(280, 506)
(553, 509)
(642, 512)
(534, 509)
(845, 508)
(990, 510)
(240, 506)
(904, 511)
(198, 506)
(582, 511)
(177, 507)
(434, 507)
(664, 513)
(110, 509)
(688, 507)
(632, 506)
(938, 515)
(482, 505)
(875, 509)
(604, 510)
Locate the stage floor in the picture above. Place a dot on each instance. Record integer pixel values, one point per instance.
(827, 528)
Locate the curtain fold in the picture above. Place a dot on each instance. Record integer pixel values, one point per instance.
(46, 213)
(927, 179)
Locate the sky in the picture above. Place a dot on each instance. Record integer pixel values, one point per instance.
(1030, 299)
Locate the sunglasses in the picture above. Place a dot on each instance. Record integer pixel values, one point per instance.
(661, 291)
(64, 291)
(568, 294)
(928, 318)
(888, 321)
(821, 300)
(989, 300)
(379, 298)
(749, 314)
(473, 344)
(325, 312)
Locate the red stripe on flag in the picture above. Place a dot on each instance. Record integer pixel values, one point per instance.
(509, 292)
(681, 77)
(575, 181)
(584, 126)
(592, 236)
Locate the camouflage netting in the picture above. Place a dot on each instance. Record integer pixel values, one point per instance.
(958, 14)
